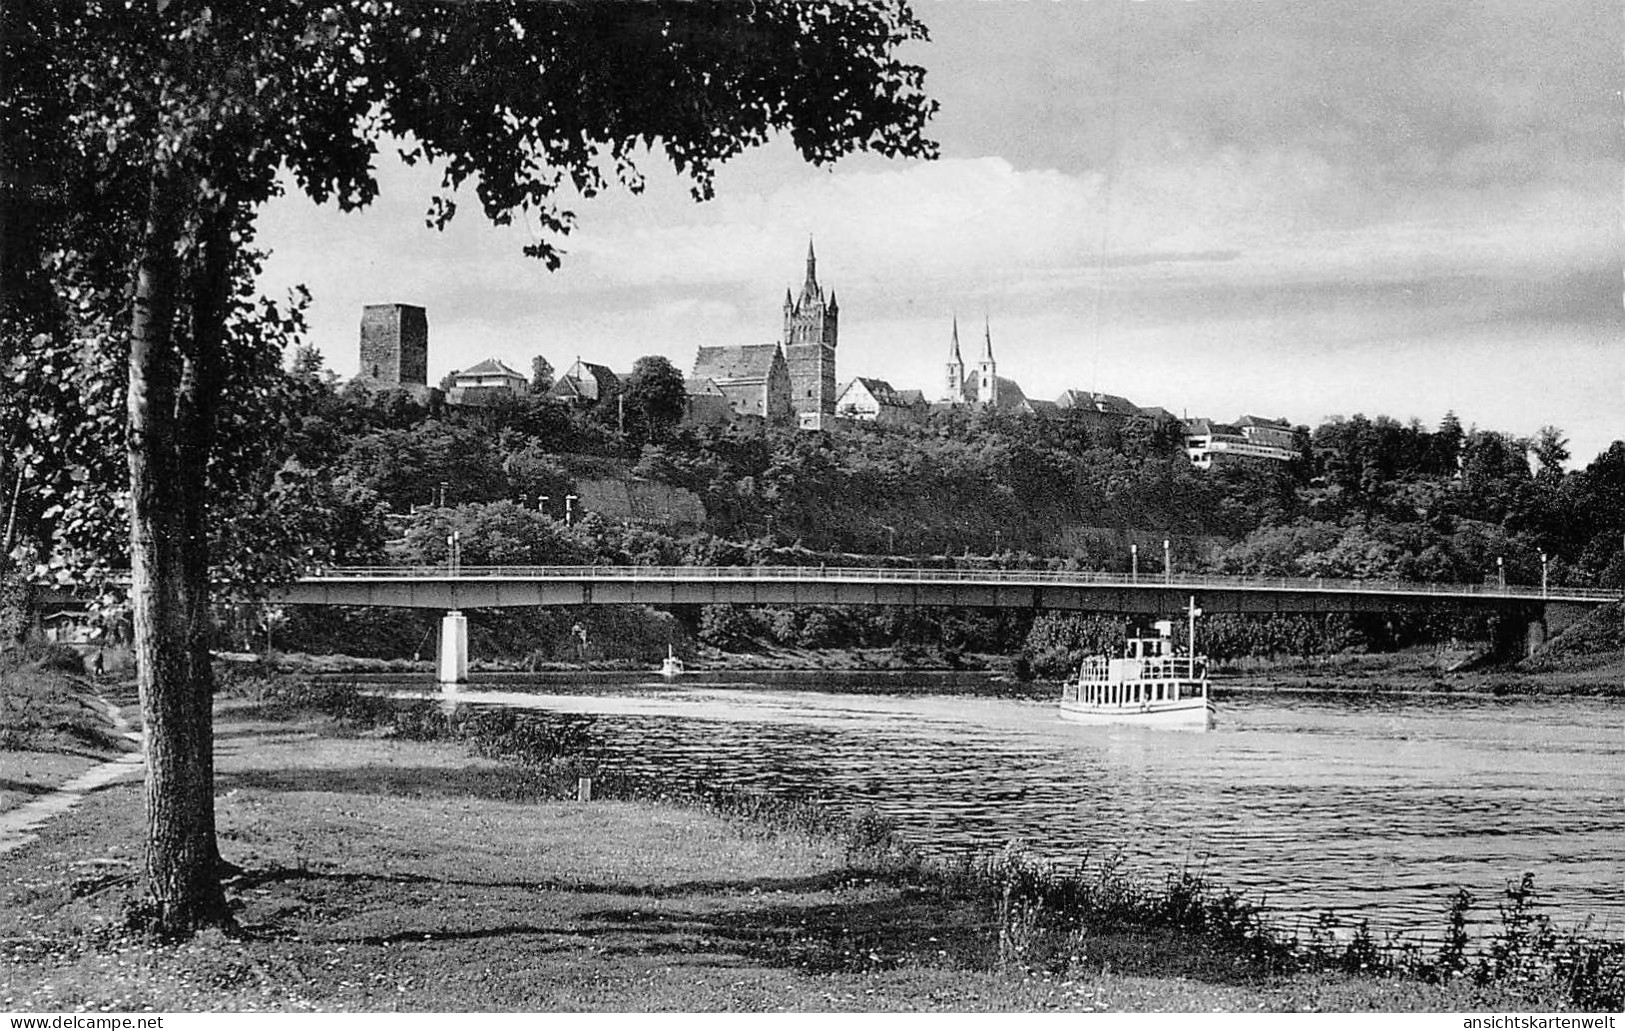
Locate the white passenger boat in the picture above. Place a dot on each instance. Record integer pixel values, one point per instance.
(1151, 685)
(673, 666)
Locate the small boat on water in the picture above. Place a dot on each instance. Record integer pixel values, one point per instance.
(673, 666)
(1150, 685)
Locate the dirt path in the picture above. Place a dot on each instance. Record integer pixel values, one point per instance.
(18, 824)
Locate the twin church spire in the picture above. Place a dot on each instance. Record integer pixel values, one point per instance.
(979, 387)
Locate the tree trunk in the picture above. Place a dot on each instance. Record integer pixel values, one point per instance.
(169, 593)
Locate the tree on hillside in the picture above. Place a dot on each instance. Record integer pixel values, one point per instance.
(541, 375)
(193, 111)
(656, 396)
(1444, 447)
(1551, 450)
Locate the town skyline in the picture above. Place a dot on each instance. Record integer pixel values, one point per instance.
(1231, 210)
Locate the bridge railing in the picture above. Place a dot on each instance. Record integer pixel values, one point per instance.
(965, 577)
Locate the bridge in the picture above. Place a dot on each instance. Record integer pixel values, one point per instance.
(454, 588)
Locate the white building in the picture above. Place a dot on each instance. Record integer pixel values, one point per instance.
(1250, 439)
(874, 400)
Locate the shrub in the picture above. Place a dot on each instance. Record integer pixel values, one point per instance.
(57, 658)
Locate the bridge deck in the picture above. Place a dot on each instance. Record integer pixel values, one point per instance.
(500, 586)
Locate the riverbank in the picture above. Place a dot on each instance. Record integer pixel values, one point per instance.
(383, 872)
(1418, 671)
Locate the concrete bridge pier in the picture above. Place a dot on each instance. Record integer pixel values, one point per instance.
(454, 648)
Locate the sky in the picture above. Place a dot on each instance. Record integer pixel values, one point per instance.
(1285, 208)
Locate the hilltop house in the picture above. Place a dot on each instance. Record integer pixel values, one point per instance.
(486, 383)
(1108, 408)
(1249, 439)
(874, 400)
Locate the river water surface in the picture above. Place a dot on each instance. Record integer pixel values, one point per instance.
(1367, 808)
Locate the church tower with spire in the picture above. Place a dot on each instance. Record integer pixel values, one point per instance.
(953, 390)
(987, 372)
(810, 328)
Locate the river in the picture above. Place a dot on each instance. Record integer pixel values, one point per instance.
(1368, 808)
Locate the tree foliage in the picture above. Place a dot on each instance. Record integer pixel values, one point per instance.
(146, 135)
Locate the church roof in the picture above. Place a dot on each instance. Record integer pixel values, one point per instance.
(1007, 393)
(731, 364)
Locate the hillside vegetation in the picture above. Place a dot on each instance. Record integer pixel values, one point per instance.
(348, 477)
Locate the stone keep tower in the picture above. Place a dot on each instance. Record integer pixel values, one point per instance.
(810, 329)
(394, 346)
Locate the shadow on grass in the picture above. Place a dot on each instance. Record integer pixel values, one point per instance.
(918, 929)
(27, 787)
(758, 922)
(248, 880)
(508, 784)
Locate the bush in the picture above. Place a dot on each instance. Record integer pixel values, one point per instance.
(58, 658)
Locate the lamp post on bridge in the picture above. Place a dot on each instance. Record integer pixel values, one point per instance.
(1167, 566)
(1501, 573)
(1543, 569)
(453, 541)
(1134, 563)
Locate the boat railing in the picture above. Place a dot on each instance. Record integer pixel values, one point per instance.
(1156, 667)
(1106, 681)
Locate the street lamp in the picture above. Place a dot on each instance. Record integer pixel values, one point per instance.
(452, 541)
(1501, 572)
(1167, 567)
(1134, 563)
(1543, 559)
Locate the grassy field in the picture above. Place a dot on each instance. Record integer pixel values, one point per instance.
(387, 874)
(53, 726)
